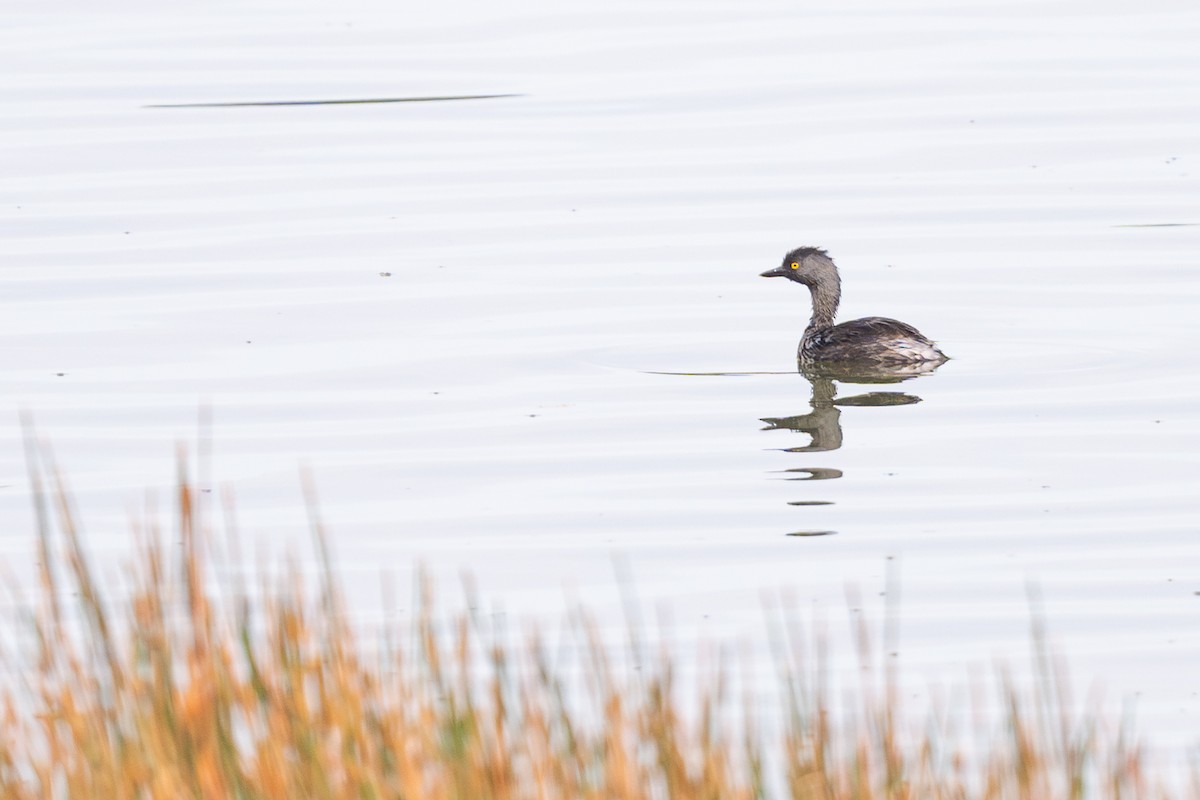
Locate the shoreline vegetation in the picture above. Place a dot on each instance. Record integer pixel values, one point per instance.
(175, 689)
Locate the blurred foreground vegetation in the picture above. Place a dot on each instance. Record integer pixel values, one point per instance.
(174, 690)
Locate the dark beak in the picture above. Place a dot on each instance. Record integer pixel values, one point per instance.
(778, 272)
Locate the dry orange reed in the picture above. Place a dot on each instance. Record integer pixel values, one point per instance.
(173, 693)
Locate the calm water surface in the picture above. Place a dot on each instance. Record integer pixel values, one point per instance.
(522, 337)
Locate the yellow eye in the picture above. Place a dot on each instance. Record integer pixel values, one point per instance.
(795, 265)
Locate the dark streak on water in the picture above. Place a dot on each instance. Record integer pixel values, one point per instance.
(1161, 225)
(333, 102)
(718, 374)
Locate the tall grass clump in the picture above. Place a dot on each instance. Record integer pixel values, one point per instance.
(170, 688)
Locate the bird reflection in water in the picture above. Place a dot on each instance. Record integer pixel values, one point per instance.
(823, 424)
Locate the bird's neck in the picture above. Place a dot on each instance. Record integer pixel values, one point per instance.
(825, 298)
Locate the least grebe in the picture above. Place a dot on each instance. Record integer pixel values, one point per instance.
(870, 340)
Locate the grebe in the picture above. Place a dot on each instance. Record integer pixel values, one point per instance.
(870, 340)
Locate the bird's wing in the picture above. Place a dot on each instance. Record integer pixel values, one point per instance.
(850, 334)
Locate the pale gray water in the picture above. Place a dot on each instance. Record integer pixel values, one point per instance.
(501, 401)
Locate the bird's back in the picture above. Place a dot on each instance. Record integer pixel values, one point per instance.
(879, 340)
